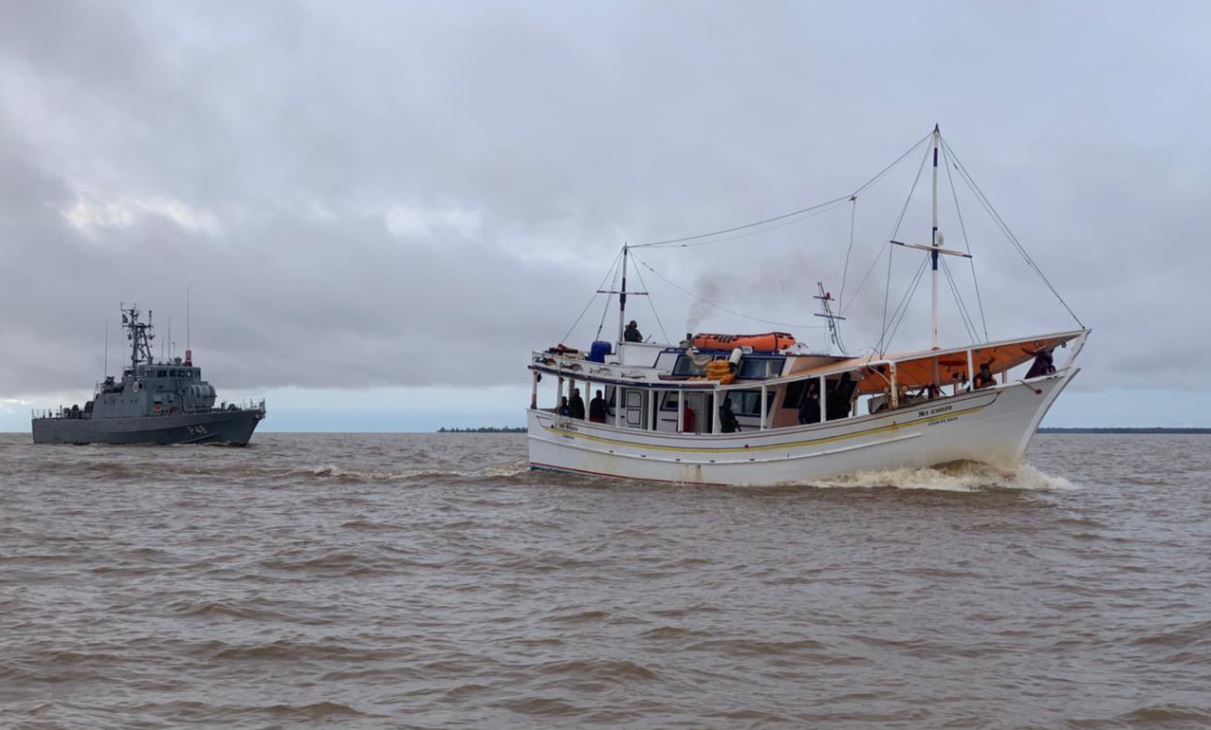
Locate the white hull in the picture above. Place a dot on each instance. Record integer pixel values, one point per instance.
(992, 426)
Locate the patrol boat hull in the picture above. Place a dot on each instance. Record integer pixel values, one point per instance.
(217, 427)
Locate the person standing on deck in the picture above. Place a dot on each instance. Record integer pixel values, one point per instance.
(727, 419)
(809, 408)
(576, 405)
(597, 409)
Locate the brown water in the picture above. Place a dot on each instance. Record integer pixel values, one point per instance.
(391, 581)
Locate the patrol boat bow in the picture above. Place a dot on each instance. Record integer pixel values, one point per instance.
(164, 402)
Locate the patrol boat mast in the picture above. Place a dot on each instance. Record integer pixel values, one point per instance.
(139, 335)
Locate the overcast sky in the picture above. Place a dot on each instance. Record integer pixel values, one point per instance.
(380, 208)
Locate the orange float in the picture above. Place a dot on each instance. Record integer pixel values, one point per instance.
(768, 342)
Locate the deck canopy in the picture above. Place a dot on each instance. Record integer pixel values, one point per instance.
(916, 369)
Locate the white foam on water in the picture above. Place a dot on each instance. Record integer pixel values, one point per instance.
(961, 477)
(505, 470)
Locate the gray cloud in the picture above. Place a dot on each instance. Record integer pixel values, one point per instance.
(385, 193)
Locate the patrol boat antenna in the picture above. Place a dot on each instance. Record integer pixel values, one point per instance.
(139, 334)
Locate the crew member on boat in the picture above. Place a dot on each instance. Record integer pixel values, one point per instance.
(632, 333)
(727, 418)
(1042, 365)
(597, 408)
(984, 378)
(576, 405)
(809, 408)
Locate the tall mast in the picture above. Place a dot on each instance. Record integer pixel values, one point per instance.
(622, 296)
(934, 240)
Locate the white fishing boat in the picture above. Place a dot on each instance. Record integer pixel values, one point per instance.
(768, 410)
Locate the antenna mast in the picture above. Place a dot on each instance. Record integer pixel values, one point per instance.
(139, 335)
(935, 239)
(622, 296)
(826, 303)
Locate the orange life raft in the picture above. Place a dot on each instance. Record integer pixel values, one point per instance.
(768, 342)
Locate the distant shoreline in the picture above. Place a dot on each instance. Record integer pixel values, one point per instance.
(1129, 430)
(1123, 430)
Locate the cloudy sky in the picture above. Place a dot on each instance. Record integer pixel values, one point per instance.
(379, 208)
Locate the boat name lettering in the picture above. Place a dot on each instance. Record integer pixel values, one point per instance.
(932, 411)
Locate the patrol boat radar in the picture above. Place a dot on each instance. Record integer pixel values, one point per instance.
(164, 402)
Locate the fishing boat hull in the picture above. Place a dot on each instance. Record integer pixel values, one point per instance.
(217, 427)
(992, 426)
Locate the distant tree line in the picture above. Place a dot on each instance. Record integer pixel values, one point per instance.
(484, 429)
(1128, 430)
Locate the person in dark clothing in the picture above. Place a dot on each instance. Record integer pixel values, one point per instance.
(1042, 365)
(632, 333)
(576, 405)
(837, 403)
(564, 410)
(809, 408)
(984, 378)
(727, 419)
(597, 409)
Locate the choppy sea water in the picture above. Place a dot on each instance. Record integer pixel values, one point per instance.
(387, 581)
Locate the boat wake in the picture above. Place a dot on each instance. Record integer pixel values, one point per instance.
(964, 476)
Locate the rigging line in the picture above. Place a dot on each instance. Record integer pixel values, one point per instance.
(590, 302)
(775, 219)
(968, 323)
(965, 314)
(865, 276)
(1009, 234)
(902, 307)
(906, 303)
(887, 289)
(709, 303)
(793, 213)
(810, 213)
(609, 297)
(966, 243)
(652, 304)
(886, 294)
(891, 236)
(889, 168)
(853, 211)
(908, 201)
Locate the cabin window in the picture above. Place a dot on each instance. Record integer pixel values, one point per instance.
(760, 368)
(686, 367)
(748, 402)
(162, 374)
(670, 401)
(794, 394)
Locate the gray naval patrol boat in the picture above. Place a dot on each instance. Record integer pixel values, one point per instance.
(164, 402)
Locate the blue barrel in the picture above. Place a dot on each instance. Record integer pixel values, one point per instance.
(599, 350)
